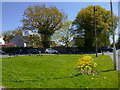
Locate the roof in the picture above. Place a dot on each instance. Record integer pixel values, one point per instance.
(20, 37)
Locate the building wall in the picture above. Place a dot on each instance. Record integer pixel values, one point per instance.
(18, 41)
(2, 42)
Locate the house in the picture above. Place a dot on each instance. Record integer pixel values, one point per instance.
(29, 32)
(2, 42)
(18, 40)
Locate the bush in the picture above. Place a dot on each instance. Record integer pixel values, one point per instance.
(11, 49)
(86, 66)
(9, 45)
(24, 49)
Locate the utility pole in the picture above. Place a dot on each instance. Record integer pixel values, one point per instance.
(95, 31)
(112, 27)
(50, 46)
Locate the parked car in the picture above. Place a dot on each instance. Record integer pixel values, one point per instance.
(33, 51)
(17, 51)
(50, 50)
(2, 52)
(105, 48)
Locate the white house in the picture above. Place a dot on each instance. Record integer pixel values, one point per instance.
(28, 33)
(2, 42)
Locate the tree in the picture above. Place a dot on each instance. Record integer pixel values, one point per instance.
(7, 36)
(17, 31)
(78, 42)
(64, 35)
(84, 24)
(34, 41)
(44, 19)
(119, 41)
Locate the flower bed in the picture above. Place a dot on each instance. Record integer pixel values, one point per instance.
(86, 66)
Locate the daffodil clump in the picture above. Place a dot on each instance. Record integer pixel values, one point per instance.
(86, 65)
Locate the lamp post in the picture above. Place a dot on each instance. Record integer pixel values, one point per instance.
(50, 46)
(112, 27)
(95, 31)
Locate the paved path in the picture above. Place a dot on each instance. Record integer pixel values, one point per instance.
(6, 55)
(2, 88)
(117, 58)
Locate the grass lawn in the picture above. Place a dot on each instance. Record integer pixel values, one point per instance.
(51, 71)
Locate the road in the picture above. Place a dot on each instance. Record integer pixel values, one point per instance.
(6, 55)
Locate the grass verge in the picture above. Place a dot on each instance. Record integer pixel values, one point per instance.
(48, 71)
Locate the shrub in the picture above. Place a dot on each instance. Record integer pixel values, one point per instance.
(86, 66)
(9, 45)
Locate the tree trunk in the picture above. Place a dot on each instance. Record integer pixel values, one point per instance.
(45, 41)
(88, 43)
(89, 39)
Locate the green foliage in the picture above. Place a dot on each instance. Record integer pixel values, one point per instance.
(78, 42)
(34, 41)
(7, 36)
(41, 71)
(17, 31)
(64, 35)
(119, 41)
(84, 23)
(45, 19)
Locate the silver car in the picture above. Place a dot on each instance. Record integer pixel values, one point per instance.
(50, 50)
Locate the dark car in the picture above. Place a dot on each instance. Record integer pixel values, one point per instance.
(33, 51)
(105, 48)
(18, 51)
(2, 52)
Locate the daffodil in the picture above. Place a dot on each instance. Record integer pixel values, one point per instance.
(86, 65)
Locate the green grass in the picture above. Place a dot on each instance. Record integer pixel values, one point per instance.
(0, 71)
(42, 71)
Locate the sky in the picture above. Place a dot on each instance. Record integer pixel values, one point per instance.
(12, 12)
(119, 18)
